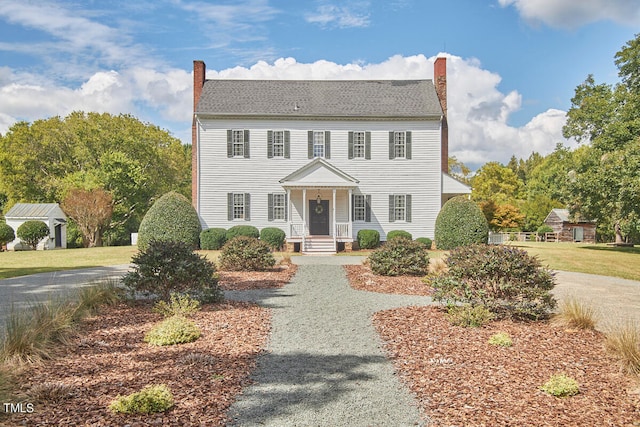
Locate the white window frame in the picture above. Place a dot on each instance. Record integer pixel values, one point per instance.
(278, 144)
(239, 209)
(400, 207)
(319, 147)
(400, 144)
(237, 143)
(359, 144)
(279, 206)
(359, 207)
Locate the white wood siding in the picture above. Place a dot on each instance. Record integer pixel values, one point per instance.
(258, 175)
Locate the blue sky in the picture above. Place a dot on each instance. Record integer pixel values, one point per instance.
(513, 65)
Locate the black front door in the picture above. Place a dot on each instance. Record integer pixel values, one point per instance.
(319, 218)
(58, 234)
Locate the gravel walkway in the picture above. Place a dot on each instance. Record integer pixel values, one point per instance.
(324, 365)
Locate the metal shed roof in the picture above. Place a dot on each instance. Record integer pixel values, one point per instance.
(31, 210)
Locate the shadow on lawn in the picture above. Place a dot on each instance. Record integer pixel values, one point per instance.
(623, 249)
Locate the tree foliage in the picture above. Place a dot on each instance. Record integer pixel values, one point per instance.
(460, 223)
(133, 161)
(6, 234)
(496, 182)
(32, 232)
(92, 211)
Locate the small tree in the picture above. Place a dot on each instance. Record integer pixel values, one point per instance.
(6, 234)
(459, 223)
(92, 211)
(32, 232)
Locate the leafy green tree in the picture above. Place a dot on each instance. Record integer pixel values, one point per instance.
(32, 232)
(604, 184)
(496, 182)
(6, 234)
(134, 161)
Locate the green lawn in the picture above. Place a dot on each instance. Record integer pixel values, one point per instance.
(13, 264)
(587, 258)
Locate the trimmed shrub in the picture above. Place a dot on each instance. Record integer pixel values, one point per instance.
(244, 253)
(501, 339)
(394, 234)
(425, 241)
(151, 399)
(400, 257)
(273, 236)
(173, 330)
(170, 218)
(243, 230)
(213, 239)
(560, 385)
(166, 267)
(460, 223)
(504, 279)
(368, 239)
(32, 232)
(6, 234)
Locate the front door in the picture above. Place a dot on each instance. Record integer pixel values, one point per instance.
(319, 218)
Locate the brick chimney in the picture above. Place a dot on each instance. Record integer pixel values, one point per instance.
(440, 83)
(199, 76)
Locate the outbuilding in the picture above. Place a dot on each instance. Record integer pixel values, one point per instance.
(49, 213)
(570, 229)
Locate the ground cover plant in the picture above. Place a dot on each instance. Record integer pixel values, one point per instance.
(173, 330)
(149, 400)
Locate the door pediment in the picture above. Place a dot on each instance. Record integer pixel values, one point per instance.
(317, 174)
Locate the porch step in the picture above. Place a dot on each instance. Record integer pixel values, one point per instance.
(319, 246)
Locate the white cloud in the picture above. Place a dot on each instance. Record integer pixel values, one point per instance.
(574, 13)
(479, 113)
(344, 15)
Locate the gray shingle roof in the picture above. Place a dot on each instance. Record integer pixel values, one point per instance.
(320, 98)
(31, 210)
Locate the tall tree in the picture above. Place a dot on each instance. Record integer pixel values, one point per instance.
(496, 182)
(92, 211)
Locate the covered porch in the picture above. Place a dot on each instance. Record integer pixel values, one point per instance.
(319, 198)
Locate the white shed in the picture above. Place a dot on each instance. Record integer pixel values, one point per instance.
(49, 213)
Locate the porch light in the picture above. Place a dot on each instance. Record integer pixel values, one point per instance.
(318, 199)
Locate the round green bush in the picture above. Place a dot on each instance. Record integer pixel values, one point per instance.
(170, 218)
(244, 253)
(243, 230)
(544, 228)
(166, 267)
(425, 241)
(400, 257)
(273, 236)
(213, 239)
(394, 234)
(173, 330)
(6, 234)
(368, 239)
(149, 400)
(32, 232)
(459, 223)
(506, 280)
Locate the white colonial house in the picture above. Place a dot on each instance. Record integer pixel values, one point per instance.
(321, 159)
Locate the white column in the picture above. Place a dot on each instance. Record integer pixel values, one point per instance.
(349, 213)
(288, 218)
(304, 211)
(333, 209)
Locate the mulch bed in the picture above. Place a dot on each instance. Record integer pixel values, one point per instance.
(461, 380)
(362, 278)
(109, 358)
(277, 277)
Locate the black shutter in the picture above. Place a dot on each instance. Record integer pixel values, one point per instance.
(230, 206)
(287, 137)
(367, 145)
(408, 144)
(229, 143)
(247, 207)
(269, 144)
(327, 144)
(392, 211)
(350, 145)
(246, 144)
(270, 207)
(392, 151)
(310, 144)
(367, 206)
(407, 208)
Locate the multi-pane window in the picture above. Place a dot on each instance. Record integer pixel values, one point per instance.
(279, 206)
(399, 144)
(238, 206)
(399, 207)
(237, 141)
(359, 207)
(278, 143)
(318, 144)
(358, 144)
